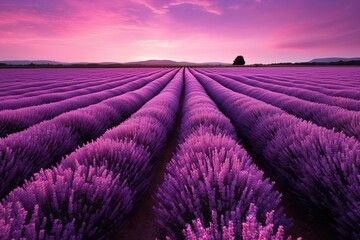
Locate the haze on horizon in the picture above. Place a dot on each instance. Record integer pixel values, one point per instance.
(263, 31)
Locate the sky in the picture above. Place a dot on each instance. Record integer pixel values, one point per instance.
(263, 31)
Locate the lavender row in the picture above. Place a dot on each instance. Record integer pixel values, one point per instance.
(93, 189)
(14, 79)
(349, 104)
(44, 144)
(23, 82)
(331, 117)
(328, 89)
(311, 78)
(315, 166)
(19, 119)
(72, 91)
(300, 83)
(55, 95)
(64, 204)
(329, 77)
(31, 82)
(331, 90)
(211, 180)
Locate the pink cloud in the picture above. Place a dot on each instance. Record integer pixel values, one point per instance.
(162, 7)
(205, 5)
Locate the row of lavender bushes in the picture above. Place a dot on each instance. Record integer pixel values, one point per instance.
(313, 96)
(19, 119)
(49, 95)
(34, 82)
(211, 184)
(93, 189)
(331, 87)
(24, 153)
(331, 117)
(330, 81)
(317, 167)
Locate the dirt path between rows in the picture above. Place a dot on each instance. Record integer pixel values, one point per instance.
(141, 223)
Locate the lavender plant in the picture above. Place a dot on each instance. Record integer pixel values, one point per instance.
(42, 145)
(64, 204)
(211, 177)
(318, 167)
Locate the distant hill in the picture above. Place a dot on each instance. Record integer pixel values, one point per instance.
(161, 62)
(166, 62)
(26, 62)
(333, 59)
(151, 62)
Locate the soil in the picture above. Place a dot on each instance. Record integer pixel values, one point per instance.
(306, 226)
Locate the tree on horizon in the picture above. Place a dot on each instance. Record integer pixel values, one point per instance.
(239, 60)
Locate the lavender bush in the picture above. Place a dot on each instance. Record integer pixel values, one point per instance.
(316, 166)
(128, 162)
(20, 119)
(65, 204)
(220, 178)
(252, 229)
(333, 82)
(331, 117)
(124, 156)
(211, 177)
(313, 96)
(24, 153)
(48, 95)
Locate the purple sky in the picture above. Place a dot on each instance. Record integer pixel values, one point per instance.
(263, 31)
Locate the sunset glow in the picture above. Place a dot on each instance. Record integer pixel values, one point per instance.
(264, 31)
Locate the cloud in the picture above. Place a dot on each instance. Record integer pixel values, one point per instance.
(205, 5)
(162, 9)
(164, 6)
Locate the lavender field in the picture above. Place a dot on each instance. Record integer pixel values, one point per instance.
(184, 153)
